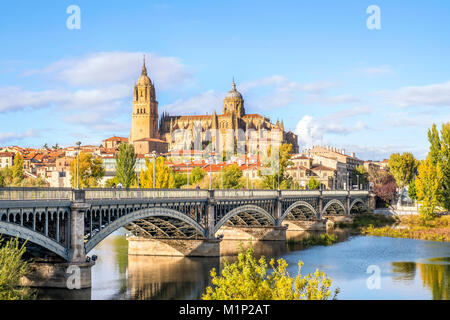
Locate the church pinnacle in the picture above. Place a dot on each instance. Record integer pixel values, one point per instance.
(144, 68)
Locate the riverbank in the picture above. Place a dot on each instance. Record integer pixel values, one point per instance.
(411, 227)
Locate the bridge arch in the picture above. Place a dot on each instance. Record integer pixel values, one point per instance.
(297, 205)
(137, 215)
(17, 231)
(331, 203)
(243, 209)
(358, 200)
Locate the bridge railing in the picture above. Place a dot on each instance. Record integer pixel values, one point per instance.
(93, 194)
(245, 193)
(359, 192)
(295, 193)
(35, 194)
(334, 193)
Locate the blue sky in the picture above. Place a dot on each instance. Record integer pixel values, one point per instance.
(313, 64)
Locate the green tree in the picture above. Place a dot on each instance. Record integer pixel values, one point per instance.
(313, 184)
(111, 182)
(250, 279)
(232, 177)
(17, 168)
(412, 191)
(360, 173)
(12, 269)
(125, 165)
(90, 170)
(7, 177)
(196, 175)
(403, 168)
(164, 177)
(429, 187)
(279, 179)
(180, 180)
(440, 154)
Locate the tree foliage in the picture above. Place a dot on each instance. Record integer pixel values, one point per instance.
(125, 165)
(250, 279)
(362, 174)
(231, 177)
(440, 154)
(164, 177)
(17, 168)
(429, 187)
(196, 175)
(313, 184)
(384, 186)
(12, 269)
(412, 190)
(90, 170)
(279, 178)
(403, 167)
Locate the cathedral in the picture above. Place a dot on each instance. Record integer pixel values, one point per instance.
(231, 132)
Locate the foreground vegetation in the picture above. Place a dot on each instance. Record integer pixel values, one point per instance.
(324, 239)
(12, 269)
(413, 227)
(250, 279)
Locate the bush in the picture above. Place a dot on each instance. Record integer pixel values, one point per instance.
(249, 279)
(12, 269)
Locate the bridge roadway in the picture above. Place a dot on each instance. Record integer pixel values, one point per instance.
(64, 225)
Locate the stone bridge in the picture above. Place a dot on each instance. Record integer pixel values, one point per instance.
(65, 225)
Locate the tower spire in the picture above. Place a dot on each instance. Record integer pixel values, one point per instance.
(234, 85)
(144, 68)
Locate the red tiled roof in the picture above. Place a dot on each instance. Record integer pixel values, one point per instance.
(117, 139)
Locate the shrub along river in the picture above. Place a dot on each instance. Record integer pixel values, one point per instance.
(363, 267)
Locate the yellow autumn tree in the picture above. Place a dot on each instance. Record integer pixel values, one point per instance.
(251, 279)
(164, 177)
(90, 170)
(429, 187)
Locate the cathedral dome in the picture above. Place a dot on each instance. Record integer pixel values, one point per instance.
(234, 93)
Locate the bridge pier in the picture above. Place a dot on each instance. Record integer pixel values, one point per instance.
(277, 233)
(141, 246)
(75, 273)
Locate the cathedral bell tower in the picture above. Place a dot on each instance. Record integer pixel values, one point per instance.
(144, 123)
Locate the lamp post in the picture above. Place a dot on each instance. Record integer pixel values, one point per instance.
(348, 180)
(154, 168)
(357, 179)
(246, 162)
(187, 170)
(210, 172)
(77, 164)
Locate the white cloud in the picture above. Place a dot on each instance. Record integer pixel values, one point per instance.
(311, 131)
(205, 102)
(7, 137)
(433, 95)
(16, 98)
(106, 68)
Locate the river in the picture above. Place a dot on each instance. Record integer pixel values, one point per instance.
(362, 267)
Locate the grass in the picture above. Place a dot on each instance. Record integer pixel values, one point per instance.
(413, 227)
(365, 220)
(314, 240)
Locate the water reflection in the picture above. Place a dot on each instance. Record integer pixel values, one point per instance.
(435, 275)
(168, 278)
(409, 269)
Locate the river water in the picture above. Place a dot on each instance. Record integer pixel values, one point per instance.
(362, 267)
